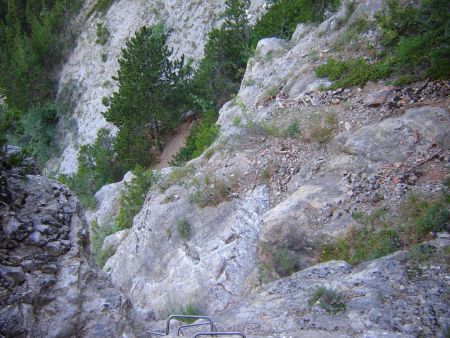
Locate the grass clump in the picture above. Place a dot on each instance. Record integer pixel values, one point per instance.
(210, 193)
(100, 6)
(329, 300)
(201, 136)
(97, 166)
(97, 238)
(293, 130)
(353, 72)
(184, 228)
(285, 263)
(188, 310)
(420, 217)
(133, 198)
(102, 34)
(416, 46)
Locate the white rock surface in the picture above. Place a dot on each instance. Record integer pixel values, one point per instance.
(90, 78)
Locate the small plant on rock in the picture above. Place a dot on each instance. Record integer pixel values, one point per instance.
(329, 300)
(184, 228)
(102, 34)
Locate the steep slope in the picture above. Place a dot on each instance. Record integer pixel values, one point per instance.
(86, 76)
(263, 198)
(48, 283)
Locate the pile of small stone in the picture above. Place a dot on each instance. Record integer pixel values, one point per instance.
(400, 97)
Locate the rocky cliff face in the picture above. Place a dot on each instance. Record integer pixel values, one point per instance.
(257, 192)
(86, 75)
(48, 284)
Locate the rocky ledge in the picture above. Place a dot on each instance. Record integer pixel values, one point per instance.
(48, 284)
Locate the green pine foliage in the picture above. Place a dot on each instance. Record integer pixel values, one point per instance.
(201, 136)
(150, 99)
(37, 128)
(133, 198)
(31, 35)
(283, 17)
(97, 166)
(416, 40)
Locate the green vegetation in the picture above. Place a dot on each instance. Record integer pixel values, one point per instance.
(331, 301)
(33, 40)
(285, 263)
(97, 166)
(354, 72)
(97, 238)
(227, 51)
(416, 45)
(201, 136)
(37, 128)
(377, 238)
(188, 310)
(100, 6)
(293, 130)
(102, 34)
(210, 193)
(148, 104)
(284, 15)
(133, 198)
(184, 228)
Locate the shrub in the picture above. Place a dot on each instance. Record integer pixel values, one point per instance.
(426, 216)
(97, 238)
(105, 101)
(210, 193)
(201, 136)
(416, 42)
(99, 6)
(188, 310)
(184, 228)
(102, 34)
(37, 129)
(283, 17)
(133, 198)
(293, 130)
(331, 301)
(97, 166)
(353, 72)
(377, 238)
(285, 263)
(147, 105)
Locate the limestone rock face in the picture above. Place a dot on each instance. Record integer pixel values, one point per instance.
(394, 296)
(163, 271)
(48, 284)
(86, 76)
(299, 221)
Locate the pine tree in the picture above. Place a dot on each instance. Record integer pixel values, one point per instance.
(150, 96)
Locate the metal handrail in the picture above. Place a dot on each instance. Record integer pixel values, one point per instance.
(219, 334)
(180, 329)
(187, 317)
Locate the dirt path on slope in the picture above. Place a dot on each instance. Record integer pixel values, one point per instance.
(174, 145)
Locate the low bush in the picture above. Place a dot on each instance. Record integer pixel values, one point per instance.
(210, 193)
(100, 6)
(201, 136)
(102, 34)
(329, 300)
(416, 46)
(377, 238)
(353, 72)
(283, 17)
(97, 238)
(284, 262)
(97, 166)
(133, 198)
(183, 228)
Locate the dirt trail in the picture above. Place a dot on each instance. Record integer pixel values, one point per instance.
(174, 145)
